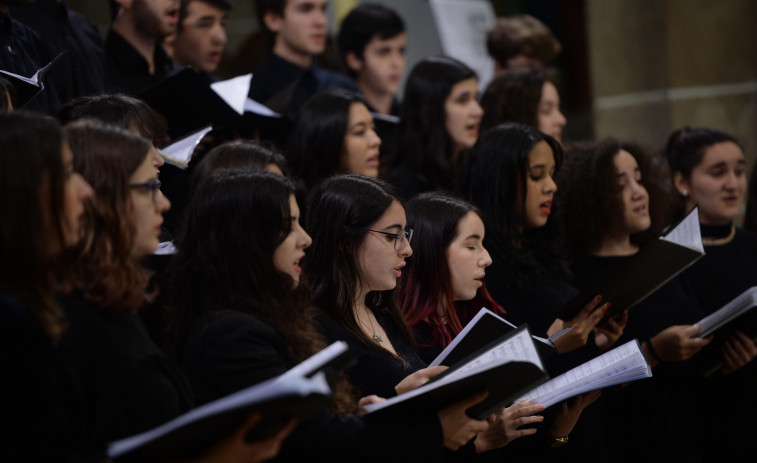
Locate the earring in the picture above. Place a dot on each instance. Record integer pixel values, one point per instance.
(685, 193)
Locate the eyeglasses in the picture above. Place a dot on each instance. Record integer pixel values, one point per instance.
(152, 186)
(406, 234)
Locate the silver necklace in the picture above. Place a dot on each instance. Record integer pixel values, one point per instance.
(376, 336)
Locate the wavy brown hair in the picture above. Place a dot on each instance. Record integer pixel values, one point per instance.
(105, 272)
(590, 204)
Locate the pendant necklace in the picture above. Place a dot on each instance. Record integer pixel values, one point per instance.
(376, 337)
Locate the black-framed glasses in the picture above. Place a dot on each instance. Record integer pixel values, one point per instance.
(153, 186)
(406, 234)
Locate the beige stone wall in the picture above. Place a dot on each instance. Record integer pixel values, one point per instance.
(659, 65)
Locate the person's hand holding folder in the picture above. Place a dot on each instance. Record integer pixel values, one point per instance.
(418, 378)
(580, 327)
(236, 447)
(505, 425)
(674, 344)
(458, 428)
(737, 350)
(605, 335)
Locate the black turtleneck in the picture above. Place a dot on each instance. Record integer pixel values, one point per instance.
(716, 231)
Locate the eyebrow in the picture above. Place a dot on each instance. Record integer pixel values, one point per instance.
(396, 225)
(636, 169)
(358, 124)
(474, 236)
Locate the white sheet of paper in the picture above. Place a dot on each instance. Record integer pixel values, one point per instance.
(518, 348)
(687, 232)
(462, 26)
(252, 106)
(315, 361)
(181, 151)
(619, 365)
(268, 390)
(741, 303)
(234, 91)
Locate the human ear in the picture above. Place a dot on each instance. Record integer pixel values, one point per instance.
(353, 62)
(273, 21)
(124, 4)
(681, 184)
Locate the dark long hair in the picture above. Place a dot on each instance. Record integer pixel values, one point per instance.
(340, 213)
(590, 204)
(685, 150)
(235, 154)
(514, 97)
(424, 145)
(119, 110)
(494, 179)
(105, 272)
(235, 222)
(318, 139)
(31, 212)
(426, 283)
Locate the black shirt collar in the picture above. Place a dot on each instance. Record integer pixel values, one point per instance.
(128, 56)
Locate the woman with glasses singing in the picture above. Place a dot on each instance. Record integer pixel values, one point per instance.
(360, 243)
(240, 311)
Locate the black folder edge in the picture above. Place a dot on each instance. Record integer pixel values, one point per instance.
(486, 324)
(529, 375)
(614, 280)
(189, 103)
(197, 437)
(27, 91)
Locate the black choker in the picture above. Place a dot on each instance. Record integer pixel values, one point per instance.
(716, 231)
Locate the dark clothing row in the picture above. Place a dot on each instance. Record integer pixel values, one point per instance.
(80, 70)
(227, 350)
(127, 71)
(102, 381)
(284, 86)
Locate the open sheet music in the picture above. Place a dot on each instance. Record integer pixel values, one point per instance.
(739, 306)
(484, 328)
(506, 368)
(620, 365)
